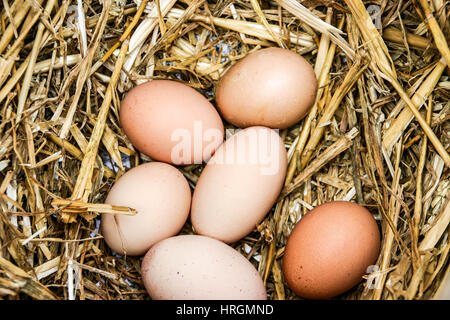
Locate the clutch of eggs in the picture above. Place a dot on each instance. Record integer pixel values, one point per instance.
(172, 123)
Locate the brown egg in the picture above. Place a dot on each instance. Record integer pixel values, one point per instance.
(171, 122)
(239, 185)
(162, 197)
(330, 249)
(191, 267)
(272, 87)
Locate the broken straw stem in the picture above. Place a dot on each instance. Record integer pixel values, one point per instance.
(127, 32)
(316, 135)
(30, 68)
(80, 191)
(439, 38)
(425, 127)
(342, 144)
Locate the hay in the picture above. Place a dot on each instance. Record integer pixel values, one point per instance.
(378, 132)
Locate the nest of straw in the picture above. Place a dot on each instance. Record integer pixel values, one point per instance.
(378, 133)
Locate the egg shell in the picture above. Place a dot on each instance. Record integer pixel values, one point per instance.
(171, 122)
(239, 185)
(272, 87)
(330, 249)
(443, 291)
(162, 197)
(192, 267)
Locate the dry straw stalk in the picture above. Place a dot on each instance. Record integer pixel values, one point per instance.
(382, 59)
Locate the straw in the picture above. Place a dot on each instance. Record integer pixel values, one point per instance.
(377, 133)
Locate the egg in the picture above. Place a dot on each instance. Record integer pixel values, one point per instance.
(239, 185)
(272, 87)
(193, 267)
(171, 122)
(330, 249)
(443, 291)
(162, 197)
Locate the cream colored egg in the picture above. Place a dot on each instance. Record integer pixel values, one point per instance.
(271, 87)
(162, 197)
(192, 267)
(239, 185)
(443, 291)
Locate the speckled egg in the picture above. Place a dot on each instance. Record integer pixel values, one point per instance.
(192, 267)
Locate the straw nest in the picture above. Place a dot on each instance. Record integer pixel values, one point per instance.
(378, 133)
